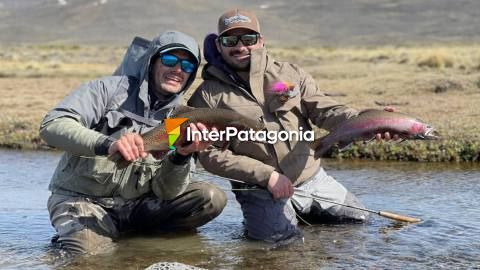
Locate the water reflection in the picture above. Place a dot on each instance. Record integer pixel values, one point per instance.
(443, 195)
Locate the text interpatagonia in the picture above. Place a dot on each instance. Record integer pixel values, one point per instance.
(270, 136)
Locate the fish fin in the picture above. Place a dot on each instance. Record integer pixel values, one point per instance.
(367, 111)
(369, 140)
(239, 124)
(399, 141)
(343, 145)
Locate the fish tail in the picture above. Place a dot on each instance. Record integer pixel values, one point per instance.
(319, 147)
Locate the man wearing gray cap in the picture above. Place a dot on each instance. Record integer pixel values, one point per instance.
(94, 201)
(241, 76)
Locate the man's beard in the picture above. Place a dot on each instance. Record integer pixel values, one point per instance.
(236, 67)
(157, 90)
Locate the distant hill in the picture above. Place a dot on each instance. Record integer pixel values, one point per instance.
(292, 23)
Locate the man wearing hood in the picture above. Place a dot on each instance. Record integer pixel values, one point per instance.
(241, 76)
(93, 201)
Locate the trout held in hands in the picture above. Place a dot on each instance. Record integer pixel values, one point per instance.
(157, 139)
(368, 123)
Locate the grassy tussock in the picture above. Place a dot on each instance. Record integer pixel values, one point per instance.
(19, 134)
(442, 151)
(36, 61)
(454, 56)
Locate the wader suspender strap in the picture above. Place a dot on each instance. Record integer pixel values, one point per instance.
(141, 119)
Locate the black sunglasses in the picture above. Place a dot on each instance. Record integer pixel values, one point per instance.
(171, 60)
(232, 41)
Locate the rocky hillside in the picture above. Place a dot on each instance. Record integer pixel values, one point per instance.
(291, 23)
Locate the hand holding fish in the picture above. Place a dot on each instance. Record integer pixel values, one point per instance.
(370, 124)
(280, 186)
(196, 145)
(387, 136)
(130, 146)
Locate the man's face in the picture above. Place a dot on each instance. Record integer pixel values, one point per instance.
(171, 80)
(238, 56)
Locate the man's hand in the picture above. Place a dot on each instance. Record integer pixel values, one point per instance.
(196, 145)
(387, 136)
(280, 186)
(130, 146)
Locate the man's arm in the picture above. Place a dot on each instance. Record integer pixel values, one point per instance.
(322, 110)
(325, 112)
(69, 125)
(226, 163)
(70, 135)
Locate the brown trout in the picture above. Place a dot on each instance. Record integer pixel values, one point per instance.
(156, 140)
(371, 122)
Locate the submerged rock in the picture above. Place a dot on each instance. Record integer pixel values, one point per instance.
(172, 266)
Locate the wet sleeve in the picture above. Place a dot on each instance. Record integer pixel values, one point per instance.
(171, 179)
(322, 110)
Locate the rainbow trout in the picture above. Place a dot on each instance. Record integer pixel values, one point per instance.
(371, 122)
(157, 139)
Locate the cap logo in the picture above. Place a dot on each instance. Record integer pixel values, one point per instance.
(236, 19)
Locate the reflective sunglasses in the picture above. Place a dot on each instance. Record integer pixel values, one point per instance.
(171, 60)
(232, 41)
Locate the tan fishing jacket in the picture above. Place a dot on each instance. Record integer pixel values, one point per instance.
(254, 162)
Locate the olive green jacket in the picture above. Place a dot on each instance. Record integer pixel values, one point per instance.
(254, 162)
(84, 174)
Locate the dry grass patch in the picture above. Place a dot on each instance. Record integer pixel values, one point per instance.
(438, 84)
(58, 60)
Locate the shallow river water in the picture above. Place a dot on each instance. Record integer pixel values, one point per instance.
(445, 196)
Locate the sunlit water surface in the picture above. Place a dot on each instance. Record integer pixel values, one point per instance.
(445, 196)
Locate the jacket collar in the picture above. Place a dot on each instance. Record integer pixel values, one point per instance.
(257, 71)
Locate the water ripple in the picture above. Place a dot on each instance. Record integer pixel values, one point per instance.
(444, 196)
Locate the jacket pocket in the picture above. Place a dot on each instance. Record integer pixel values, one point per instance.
(99, 169)
(135, 179)
(276, 105)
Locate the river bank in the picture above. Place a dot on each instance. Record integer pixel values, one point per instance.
(439, 84)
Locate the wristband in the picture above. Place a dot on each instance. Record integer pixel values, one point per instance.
(102, 145)
(179, 159)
